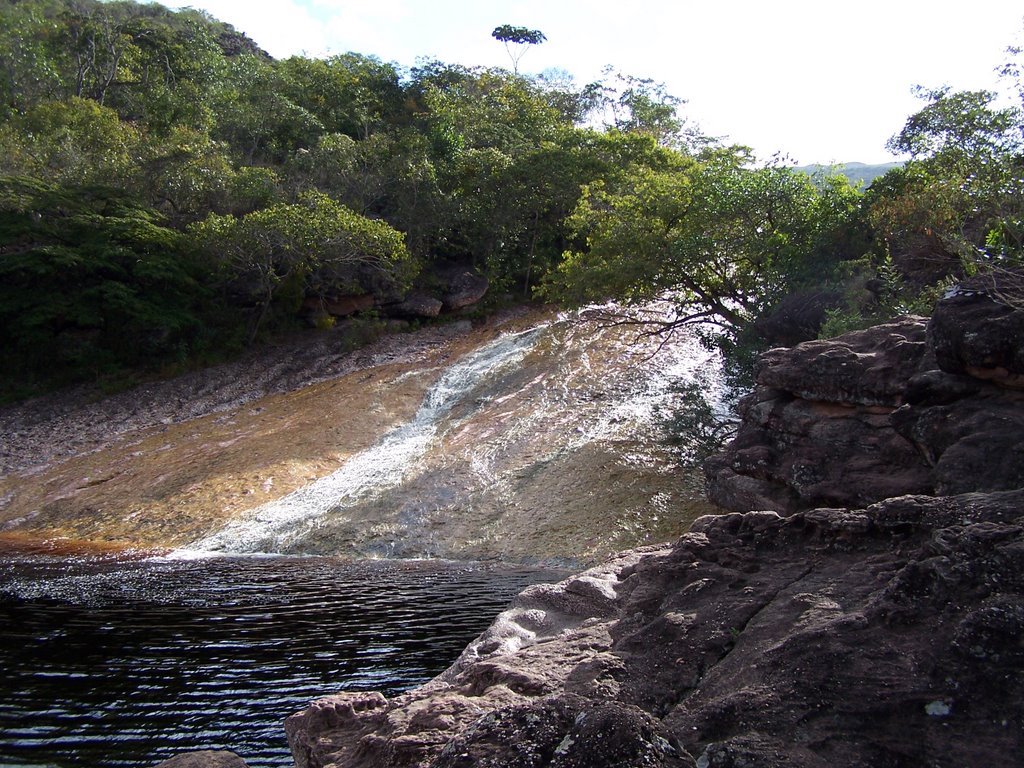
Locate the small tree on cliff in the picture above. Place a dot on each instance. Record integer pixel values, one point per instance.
(516, 40)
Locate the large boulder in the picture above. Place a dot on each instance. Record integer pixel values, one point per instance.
(882, 636)
(416, 305)
(868, 367)
(817, 429)
(464, 289)
(977, 329)
(905, 407)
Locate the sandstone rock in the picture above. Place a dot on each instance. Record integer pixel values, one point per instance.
(817, 430)
(868, 367)
(976, 331)
(416, 305)
(204, 759)
(339, 306)
(870, 415)
(566, 731)
(464, 289)
(888, 635)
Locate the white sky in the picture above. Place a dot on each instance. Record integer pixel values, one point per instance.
(819, 80)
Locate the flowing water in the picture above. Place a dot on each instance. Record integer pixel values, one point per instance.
(126, 663)
(540, 446)
(380, 468)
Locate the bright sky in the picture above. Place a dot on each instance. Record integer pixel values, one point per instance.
(819, 80)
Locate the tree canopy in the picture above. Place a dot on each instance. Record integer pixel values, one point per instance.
(169, 191)
(517, 41)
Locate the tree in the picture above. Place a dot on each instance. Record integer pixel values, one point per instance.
(76, 142)
(958, 204)
(91, 283)
(517, 41)
(351, 94)
(28, 74)
(315, 241)
(255, 115)
(720, 240)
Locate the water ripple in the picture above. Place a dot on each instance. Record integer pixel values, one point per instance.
(108, 664)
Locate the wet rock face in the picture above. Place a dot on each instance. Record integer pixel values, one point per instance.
(204, 759)
(883, 629)
(874, 637)
(907, 407)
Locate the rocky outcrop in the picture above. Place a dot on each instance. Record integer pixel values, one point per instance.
(883, 629)
(912, 406)
(416, 305)
(878, 637)
(818, 431)
(204, 759)
(449, 288)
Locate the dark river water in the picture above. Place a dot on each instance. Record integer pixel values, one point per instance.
(126, 663)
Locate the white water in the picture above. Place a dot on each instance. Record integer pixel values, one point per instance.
(270, 527)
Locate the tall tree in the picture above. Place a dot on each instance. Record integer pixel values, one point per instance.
(517, 41)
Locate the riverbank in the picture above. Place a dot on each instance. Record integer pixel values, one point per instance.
(551, 456)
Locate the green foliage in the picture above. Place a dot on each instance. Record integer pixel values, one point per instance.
(90, 284)
(182, 163)
(642, 105)
(517, 40)
(721, 240)
(77, 141)
(491, 109)
(255, 115)
(315, 244)
(958, 203)
(693, 426)
(348, 94)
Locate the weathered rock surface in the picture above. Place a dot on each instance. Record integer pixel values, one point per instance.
(887, 636)
(464, 289)
(416, 305)
(204, 759)
(77, 421)
(817, 430)
(907, 407)
(878, 621)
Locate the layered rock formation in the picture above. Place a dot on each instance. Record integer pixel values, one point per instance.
(888, 635)
(912, 406)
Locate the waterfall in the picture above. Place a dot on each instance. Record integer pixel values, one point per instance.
(268, 528)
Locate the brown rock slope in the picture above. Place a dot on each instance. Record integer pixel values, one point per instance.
(882, 636)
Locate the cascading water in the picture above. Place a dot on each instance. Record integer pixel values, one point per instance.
(540, 446)
(271, 527)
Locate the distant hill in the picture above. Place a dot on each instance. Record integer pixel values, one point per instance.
(853, 171)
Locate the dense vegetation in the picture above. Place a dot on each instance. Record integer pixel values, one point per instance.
(168, 193)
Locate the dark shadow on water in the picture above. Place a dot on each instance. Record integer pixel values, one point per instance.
(126, 663)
